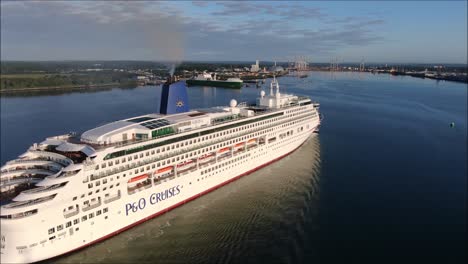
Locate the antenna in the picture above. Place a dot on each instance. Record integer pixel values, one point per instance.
(271, 87)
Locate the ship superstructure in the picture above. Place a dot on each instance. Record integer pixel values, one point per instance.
(71, 191)
(206, 79)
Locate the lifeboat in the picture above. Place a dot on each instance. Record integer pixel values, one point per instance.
(223, 150)
(164, 170)
(206, 158)
(251, 141)
(185, 165)
(138, 178)
(239, 145)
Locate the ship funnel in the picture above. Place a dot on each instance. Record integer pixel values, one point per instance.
(174, 98)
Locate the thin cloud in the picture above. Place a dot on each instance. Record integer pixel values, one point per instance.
(162, 31)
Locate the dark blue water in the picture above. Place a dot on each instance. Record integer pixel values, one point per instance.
(385, 181)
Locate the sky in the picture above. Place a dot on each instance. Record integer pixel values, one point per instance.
(349, 31)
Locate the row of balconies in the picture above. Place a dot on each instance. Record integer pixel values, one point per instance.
(175, 153)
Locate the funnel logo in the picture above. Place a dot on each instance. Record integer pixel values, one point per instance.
(179, 103)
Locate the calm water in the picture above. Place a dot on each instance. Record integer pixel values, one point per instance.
(385, 181)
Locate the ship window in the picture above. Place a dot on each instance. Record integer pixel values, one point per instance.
(90, 185)
(157, 151)
(105, 188)
(130, 158)
(98, 183)
(141, 155)
(52, 237)
(105, 210)
(123, 160)
(147, 153)
(172, 147)
(110, 163)
(152, 152)
(103, 165)
(117, 162)
(74, 198)
(117, 184)
(153, 166)
(98, 212)
(97, 167)
(69, 223)
(84, 218)
(104, 181)
(51, 231)
(90, 193)
(91, 215)
(112, 186)
(82, 196)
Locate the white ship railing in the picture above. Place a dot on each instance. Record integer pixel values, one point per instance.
(32, 163)
(43, 188)
(28, 203)
(9, 175)
(56, 157)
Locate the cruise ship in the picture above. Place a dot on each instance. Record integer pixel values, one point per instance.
(205, 79)
(71, 191)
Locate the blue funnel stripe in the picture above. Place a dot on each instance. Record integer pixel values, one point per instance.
(174, 98)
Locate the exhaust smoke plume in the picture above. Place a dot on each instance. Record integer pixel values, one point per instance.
(168, 42)
(172, 69)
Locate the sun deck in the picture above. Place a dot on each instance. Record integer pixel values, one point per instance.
(153, 126)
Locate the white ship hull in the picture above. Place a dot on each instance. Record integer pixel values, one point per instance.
(142, 206)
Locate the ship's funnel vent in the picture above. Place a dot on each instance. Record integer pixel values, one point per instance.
(174, 98)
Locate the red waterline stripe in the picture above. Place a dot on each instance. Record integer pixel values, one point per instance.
(175, 205)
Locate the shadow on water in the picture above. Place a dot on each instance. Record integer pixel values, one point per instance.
(264, 215)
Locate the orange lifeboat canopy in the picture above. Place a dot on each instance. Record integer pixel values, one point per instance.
(239, 144)
(138, 178)
(223, 150)
(166, 169)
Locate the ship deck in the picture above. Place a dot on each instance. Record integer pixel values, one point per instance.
(258, 110)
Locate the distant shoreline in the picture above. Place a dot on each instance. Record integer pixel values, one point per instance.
(59, 88)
